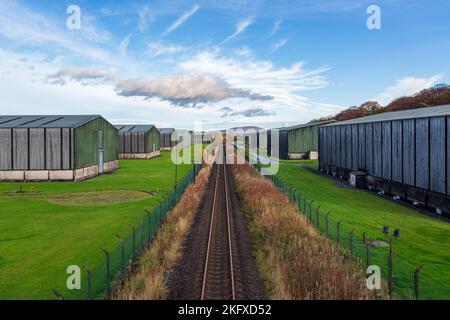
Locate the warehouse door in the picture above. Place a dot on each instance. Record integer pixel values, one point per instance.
(100, 152)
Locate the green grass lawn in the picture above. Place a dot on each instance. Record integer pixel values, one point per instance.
(66, 223)
(423, 239)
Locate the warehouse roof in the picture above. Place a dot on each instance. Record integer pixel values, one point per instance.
(401, 115)
(310, 124)
(72, 121)
(166, 130)
(134, 128)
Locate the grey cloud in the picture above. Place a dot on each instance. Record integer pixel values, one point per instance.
(188, 90)
(252, 112)
(226, 111)
(79, 74)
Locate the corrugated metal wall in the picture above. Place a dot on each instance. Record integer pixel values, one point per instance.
(282, 144)
(303, 139)
(36, 149)
(152, 138)
(165, 140)
(139, 142)
(87, 143)
(413, 152)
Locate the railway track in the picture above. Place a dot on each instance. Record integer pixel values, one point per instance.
(218, 276)
(217, 261)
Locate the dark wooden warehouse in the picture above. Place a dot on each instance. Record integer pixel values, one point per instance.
(138, 141)
(404, 153)
(282, 149)
(62, 148)
(165, 140)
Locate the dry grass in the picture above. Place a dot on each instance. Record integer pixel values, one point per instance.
(147, 282)
(92, 198)
(295, 261)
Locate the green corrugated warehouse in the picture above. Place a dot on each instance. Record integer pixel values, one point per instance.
(303, 140)
(138, 141)
(66, 148)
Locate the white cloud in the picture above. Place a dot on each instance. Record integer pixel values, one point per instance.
(258, 75)
(240, 27)
(284, 85)
(244, 52)
(276, 27)
(184, 17)
(405, 87)
(26, 27)
(146, 17)
(277, 45)
(156, 49)
(123, 46)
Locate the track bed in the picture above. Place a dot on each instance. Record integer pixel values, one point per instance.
(217, 260)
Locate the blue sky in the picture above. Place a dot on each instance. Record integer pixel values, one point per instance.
(223, 63)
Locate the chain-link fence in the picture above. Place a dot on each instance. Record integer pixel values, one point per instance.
(401, 280)
(97, 282)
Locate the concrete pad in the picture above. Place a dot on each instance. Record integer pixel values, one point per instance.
(140, 156)
(111, 166)
(296, 156)
(79, 175)
(37, 175)
(91, 171)
(62, 175)
(314, 155)
(155, 154)
(12, 175)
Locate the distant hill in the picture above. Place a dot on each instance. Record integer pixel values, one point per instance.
(435, 96)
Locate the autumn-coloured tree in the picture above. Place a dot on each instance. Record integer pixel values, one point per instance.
(435, 96)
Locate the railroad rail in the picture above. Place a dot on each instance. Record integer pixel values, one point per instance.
(218, 276)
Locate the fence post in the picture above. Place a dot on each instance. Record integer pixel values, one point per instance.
(367, 244)
(122, 255)
(134, 240)
(89, 282)
(58, 295)
(160, 209)
(416, 280)
(351, 242)
(326, 224)
(299, 204)
(108, 277)
(317, 218)
(142, 234)
(149, 222)
(310, 212)
(338, 234)
(390, 268)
